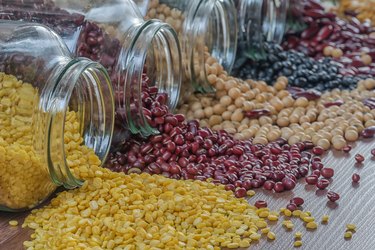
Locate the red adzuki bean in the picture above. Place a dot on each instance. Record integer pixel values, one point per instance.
(318, 150)
(347, 148)
(356, 178)
(311, 179)
(291, 207)
(322, 184)
(327, 173)
(359, 158)
(260, 204)
(332, 196)
(297, 200)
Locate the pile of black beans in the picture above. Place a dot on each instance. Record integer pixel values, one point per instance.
(301, 70)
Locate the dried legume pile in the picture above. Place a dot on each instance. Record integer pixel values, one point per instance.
(117, 211)
(301, 71)
(347, 41)
(24, 179)
(250, 109)
(184, 150)
(361, 9)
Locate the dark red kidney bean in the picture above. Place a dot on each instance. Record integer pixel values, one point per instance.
(324, 32)
(256, 113)
(310, 32)
(335, 103)
(310, 95)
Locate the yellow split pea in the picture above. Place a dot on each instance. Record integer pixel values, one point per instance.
(117, 211)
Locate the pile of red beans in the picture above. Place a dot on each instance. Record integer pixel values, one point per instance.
(184, 150)
(349, 42)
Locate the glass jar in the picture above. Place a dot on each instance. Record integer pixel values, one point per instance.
(206, 28)
(260, 21)
(41, 86)
(114, 34)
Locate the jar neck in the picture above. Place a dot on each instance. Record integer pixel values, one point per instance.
(251, 38)
(209, 29)
(260, 21)
(150, 48)
(83, 86)
(274, 21)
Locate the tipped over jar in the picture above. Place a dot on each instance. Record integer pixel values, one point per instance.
(207, 30)
(52, 106)
(260, 21)
(114, 34)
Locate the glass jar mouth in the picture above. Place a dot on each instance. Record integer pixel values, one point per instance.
(210, 26)
(82, 86)
(274, 21)
(153, 49)
(261, 21)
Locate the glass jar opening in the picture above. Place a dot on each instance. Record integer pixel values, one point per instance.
(83, 86)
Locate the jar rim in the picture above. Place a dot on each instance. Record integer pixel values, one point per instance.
(215, 23)
(151, 36)
(89, 82)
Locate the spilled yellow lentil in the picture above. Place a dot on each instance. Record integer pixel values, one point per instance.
(298, 235)
(325, 219)
(13, 223)
(297, 243)
(351, 227)
(117, 211)
(348, 235)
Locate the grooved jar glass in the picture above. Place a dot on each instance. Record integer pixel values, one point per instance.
(205, 27)
(41, 85)
(260, 21)
(113, 33)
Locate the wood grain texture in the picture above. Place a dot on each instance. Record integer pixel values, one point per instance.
(357, 205)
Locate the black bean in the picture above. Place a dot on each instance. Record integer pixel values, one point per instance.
(301, 70)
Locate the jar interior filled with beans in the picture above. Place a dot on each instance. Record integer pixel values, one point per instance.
(41, 88)
(114, 34)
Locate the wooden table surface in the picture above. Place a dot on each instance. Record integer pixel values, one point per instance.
(356, 205)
